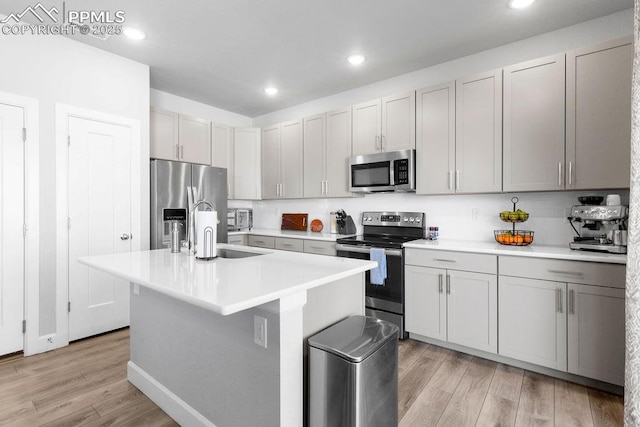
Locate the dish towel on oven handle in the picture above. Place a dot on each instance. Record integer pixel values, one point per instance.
(378, 274)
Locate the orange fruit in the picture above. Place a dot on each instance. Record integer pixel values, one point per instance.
(519, 239)
(528, 238)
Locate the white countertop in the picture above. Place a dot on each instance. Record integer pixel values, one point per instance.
(533, 250)
(226, 286)
(309, 235)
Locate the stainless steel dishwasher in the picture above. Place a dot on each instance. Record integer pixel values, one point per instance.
(353, 374)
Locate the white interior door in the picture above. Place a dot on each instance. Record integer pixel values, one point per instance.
(11, 228)
(99, 223)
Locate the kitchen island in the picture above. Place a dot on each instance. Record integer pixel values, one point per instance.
(223, 342)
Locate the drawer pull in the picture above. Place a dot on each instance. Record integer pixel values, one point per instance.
(572, 302)
(440, 283)
(287, 245)
(318, 248)
(448, 284)
(559, 299)
(444, 260)
(570, 273)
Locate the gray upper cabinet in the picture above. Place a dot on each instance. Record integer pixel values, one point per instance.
(179, 137)
(599, 115)
(533, 125)
(246, 164)
(282, 162)
(386, 124)
(436, 139)
(327, 147)
(479, 134)
(222, 152)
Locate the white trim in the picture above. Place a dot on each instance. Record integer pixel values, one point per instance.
(63, 112)
(175, 407)
(31, 110)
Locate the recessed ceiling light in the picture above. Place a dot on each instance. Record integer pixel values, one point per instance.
(520, 4)
(356, 59)
(271, 90)
(134, 33)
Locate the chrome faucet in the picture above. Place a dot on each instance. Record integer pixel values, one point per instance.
(191, 229)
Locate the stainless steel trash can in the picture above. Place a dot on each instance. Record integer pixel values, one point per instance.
(353, 374)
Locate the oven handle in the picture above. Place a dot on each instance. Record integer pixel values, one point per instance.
(366, 250)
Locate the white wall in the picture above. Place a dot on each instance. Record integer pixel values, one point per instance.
(453, 214)
(167, 101)
(55, 69)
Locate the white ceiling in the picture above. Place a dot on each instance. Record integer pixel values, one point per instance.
(224, 52)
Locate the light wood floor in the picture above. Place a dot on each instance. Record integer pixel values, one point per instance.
(85, 384)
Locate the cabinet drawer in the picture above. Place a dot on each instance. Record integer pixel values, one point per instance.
(320, 248)
(238, 240)
(287, 244)
(481, 263)
(262, 241)
(583, 272)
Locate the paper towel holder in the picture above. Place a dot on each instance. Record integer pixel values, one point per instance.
(191, 230)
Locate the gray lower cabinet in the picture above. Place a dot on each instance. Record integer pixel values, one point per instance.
(320, 247)
(457, 303)
(565, 315)
(288, 244)
(240, 239)
(294, 244)
(267, 242)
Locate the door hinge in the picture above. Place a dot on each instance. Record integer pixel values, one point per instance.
(68, 140)
(24, 326)
(68, 306)
(24, 134)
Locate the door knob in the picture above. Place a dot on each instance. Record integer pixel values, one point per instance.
(125, 236)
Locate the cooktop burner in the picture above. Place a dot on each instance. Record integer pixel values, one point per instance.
(381, 241)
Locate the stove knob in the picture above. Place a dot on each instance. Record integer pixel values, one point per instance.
(406, 219)
(418, 220)
(369, 219)
(411, 219)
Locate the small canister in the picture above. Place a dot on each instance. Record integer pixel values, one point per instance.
(175, 238)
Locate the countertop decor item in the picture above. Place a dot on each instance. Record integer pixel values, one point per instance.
(590, 200)
(514, 237)
(294, 221)
(316, 225)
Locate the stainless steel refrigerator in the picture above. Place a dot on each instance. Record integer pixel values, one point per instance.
(169, 182)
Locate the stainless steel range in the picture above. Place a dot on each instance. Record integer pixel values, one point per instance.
(387, 231)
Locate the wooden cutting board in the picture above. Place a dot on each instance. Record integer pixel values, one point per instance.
(294, 221)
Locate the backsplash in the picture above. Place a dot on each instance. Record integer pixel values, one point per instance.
(459, 217)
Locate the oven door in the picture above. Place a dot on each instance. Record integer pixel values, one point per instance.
(389, 296)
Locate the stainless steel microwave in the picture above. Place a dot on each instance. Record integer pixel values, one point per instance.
(383, 172)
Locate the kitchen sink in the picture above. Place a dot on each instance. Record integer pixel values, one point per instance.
(232, 253)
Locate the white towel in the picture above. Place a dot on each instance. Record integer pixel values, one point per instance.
(378, 274)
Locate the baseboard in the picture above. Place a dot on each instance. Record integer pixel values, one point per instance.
(175, 407)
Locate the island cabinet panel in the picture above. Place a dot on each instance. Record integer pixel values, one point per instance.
(533, 322)
(456, 303)
(534, 125)
(436, 139)
(599, 115)
(479, 133)
(596, 343)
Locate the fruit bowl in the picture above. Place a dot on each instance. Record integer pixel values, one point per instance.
(513, 238)
(515, 216)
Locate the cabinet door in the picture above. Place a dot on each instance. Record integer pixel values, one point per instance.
(479, 133)
(366, 127)
(271, 162)
(194, 135)
(338, 153)
(398, 122)
(247, 164)
(472, 310)
(291, 161)
(238, 240)
(314, 155)
(436, 139)
(596, 332)
(425, 302)
(222, 152)
(533, 322)
(599, 115)
(164, 135)
(288, 244)
(534, 125)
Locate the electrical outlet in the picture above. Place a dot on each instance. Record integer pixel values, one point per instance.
(474, 214)
(260, 331)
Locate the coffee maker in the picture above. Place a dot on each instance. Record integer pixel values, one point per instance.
(604, 228)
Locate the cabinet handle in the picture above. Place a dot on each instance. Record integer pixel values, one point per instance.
(322, 187)
(287, 245)
(382, 146)
(559, 174)
(282, 190)
(182, 151)
(444, 260)
(450, 180)
(570, 172)
(448, 284)
(378, 143)
(177, 151)
(439, 283)
(457, 180)
(571, 273)
(572, 302)
(326, 188)
(559, 299)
